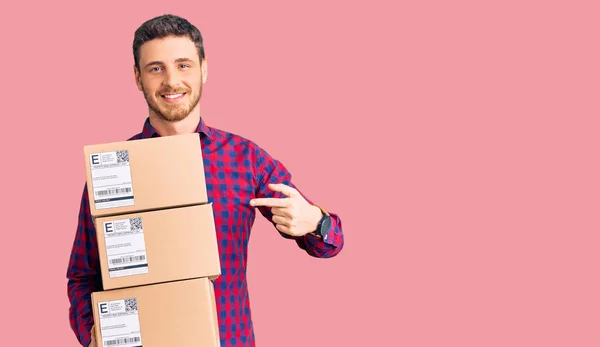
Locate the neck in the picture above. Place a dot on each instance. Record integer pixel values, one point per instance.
(185, 126)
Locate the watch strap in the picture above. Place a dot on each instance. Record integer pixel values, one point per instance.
(326, 215)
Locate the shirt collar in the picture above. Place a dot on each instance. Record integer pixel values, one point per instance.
(148, 131)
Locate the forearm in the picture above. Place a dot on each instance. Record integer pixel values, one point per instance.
(80, 311)
(271, 171)
(83, 274)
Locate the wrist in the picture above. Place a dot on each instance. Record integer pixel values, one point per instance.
(317, 215)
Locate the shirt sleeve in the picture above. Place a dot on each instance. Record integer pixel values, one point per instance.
(83, 274)
(269, 170)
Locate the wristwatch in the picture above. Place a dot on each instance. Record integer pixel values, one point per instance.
(324, 224)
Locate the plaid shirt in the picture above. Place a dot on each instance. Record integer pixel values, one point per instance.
(236, 170)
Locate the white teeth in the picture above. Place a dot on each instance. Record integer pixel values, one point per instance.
(173, 96)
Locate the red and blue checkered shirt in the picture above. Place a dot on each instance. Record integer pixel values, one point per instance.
(236, 171)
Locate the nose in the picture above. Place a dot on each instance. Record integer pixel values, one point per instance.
(171, 79)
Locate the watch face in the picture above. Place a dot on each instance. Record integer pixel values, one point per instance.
(325, 227)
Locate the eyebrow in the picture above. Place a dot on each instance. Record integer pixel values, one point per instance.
(184, 60)
(178, 60)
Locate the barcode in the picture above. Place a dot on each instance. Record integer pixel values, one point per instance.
(113, 191)
(122, 341)
(130, 259)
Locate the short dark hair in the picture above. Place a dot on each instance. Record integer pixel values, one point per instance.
(164, 26)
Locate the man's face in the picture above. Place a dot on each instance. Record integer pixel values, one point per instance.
(171, 77)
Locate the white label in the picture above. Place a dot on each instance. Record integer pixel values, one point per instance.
(125, 247)
(120, 323)
(111, 179)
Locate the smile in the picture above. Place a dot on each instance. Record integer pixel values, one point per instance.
(173, 96)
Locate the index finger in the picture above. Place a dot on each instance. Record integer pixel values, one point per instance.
(270, 202)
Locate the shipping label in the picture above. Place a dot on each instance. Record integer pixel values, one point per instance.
(111, 179)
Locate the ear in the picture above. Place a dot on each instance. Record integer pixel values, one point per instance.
(137, 76)
(204, 68)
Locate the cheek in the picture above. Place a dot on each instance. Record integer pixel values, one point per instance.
(150, 91)
(194, 82)
(150, 85)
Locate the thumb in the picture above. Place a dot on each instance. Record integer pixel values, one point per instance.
(284, 189)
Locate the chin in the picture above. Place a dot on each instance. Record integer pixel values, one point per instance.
(174, 118)
(171, 115)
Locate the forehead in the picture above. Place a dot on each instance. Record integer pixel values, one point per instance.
(168, 49)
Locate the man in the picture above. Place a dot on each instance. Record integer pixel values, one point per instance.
(171, 69)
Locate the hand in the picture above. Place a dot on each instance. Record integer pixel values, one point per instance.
(93, 341)
(292, 215)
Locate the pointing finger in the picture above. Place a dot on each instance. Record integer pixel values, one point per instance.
(270, 202)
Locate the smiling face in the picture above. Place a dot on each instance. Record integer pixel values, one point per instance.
(171, 77)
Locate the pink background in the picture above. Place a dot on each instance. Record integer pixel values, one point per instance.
(458, 141)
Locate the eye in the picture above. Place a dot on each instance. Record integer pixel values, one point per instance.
(155, 69)
(184, 66)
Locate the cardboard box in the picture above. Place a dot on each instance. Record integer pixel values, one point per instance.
(181, 313)
(158, 246)
(145, 174)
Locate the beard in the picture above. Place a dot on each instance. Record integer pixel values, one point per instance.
(177, 112)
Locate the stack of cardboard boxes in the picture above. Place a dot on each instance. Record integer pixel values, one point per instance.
(157, 243)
